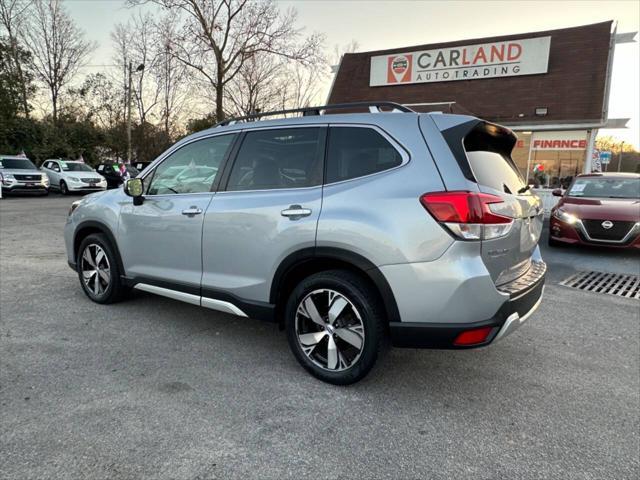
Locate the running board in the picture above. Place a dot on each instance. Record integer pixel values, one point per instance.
(211, 303)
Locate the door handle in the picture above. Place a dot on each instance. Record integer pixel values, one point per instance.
(295, 211)
(191, 211)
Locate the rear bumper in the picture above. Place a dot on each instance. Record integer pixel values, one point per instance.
(511, 315)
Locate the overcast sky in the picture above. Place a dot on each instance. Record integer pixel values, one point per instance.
(389, 24)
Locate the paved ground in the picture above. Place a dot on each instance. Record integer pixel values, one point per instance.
(153, 388)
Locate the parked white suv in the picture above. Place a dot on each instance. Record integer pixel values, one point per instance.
(73, 176)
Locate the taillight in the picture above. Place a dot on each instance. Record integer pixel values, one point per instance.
(473, 337)
(471, 215)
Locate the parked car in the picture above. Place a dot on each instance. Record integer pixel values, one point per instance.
(20, 175)
(600, 209)
(116, 173)
(68, 176)
(343, 228)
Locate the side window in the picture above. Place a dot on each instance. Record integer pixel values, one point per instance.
(358, 151)
(47, 165)
(192, 168)
(278, 158)
(54, 166)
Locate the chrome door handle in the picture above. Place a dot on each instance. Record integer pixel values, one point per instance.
(295, 211)
(191, 211)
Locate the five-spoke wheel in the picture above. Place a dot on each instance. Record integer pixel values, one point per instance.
(334, 325)
(329, 329)
(96, 271)
(99, 270)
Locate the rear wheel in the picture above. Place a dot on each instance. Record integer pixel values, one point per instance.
(63, 188)
(98, 270)
(334, 326)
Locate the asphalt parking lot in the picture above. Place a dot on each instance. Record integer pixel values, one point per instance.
(155, 388)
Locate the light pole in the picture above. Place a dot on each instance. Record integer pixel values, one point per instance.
(620, 155)
(140, 68)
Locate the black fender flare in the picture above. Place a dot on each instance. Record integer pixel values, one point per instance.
(102, 228)
(368, 268)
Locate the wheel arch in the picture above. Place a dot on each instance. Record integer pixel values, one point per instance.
(302, 263)
(89, 227)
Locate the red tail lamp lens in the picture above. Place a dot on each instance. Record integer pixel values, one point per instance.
(473, 337)
(462, 207)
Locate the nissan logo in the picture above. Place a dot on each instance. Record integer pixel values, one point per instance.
(607, 224)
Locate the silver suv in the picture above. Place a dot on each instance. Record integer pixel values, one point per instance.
(347, 229)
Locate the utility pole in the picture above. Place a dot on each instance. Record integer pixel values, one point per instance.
(129, 116)
(620, 155)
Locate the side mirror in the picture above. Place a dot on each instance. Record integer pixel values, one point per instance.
(557, 192)
(134, 188)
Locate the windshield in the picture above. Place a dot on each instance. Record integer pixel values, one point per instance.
(17, 164)
(75, 167)
(605, 188)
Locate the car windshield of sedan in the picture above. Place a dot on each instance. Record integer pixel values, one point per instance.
(17, 164)
(75, 167)
(606, 188)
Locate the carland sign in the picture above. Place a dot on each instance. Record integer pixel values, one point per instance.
(508, 58)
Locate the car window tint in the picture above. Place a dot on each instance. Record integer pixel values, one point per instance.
(278, 158)
(192, 168)
(356, 152)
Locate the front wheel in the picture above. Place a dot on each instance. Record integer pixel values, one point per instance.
(63, 188)
(334, 325)
(98, 270)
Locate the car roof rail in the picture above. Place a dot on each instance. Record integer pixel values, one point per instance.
(374, 107)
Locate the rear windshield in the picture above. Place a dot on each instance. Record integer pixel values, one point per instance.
(605, 188)
(489, 156)
(17, 164)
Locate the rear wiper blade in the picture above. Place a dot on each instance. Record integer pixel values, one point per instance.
(524, 189)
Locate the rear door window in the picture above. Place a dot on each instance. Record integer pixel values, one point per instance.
(358, 151)
(278, 158)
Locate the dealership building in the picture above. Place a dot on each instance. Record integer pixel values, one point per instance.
(550, 87)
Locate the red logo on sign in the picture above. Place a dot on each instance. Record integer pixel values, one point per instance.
(399, 68)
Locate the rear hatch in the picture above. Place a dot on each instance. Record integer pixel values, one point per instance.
(475, 159)
(488, 150)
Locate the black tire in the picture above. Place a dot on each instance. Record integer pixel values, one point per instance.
(112, 292)
(364, 308)
(63, 188)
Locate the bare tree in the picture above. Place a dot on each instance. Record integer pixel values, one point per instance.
(58, 46)
(134, 42)
(171, 75)
(256, 87)
(217, 37)
(269, 82)
(12, 16)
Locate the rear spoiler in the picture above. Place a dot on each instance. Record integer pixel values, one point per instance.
(477, 135)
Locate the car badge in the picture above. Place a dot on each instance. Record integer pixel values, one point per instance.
(607, 224)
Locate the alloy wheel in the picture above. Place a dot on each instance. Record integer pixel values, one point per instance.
(330, 330)
(96, 271)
